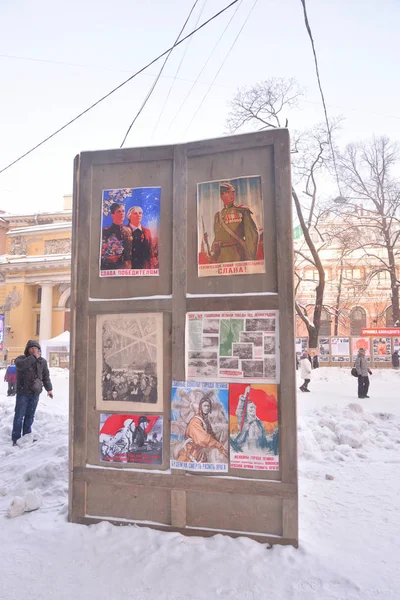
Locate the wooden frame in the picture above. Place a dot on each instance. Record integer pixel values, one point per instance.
(260, 505)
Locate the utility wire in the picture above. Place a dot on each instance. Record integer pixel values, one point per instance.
(321, 92)
(223, 62)
(115, 70)
(152, 88)
(204, 66)
(177, 72)
(120, 85)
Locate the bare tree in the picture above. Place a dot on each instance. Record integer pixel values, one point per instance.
(366, 171)
(262, 106)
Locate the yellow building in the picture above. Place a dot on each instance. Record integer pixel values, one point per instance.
(35, 277)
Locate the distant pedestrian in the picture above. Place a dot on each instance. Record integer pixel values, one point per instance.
(315, 362)
(11, 378)
(395, 359)
(305, 371)
(361, 366)
(32, 375)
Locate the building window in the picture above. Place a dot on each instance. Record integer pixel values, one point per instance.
(352, 274)
(325, 323)
(358, 320)
(37, 329)
(313, 275)
(39, 295)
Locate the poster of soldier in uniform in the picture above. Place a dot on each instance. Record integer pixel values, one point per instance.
(199, 426)
(131, 439)
(130, 231)
(230, 227)
(253, 426)
(242, 346)
(129, 362)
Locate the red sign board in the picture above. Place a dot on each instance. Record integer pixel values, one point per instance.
(385, 331)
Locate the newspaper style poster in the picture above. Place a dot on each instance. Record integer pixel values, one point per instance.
(396, 344)
(324, 351)
(356, 344)
(253, 426)
(130, 231)
(232, 346)
(382, 349)
(134, 439)
(199, 426)
(230, 227)
(129, 362)
(340, 349)
(301, 346)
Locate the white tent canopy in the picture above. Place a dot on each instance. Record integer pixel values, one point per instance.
(58, 344)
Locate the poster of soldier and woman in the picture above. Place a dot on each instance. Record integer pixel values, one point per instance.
(230, 227)
(235, 346)
(130, 232)
(131, 439)
(129, 362)
(218, 425)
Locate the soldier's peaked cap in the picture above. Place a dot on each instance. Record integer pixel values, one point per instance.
(226, 187)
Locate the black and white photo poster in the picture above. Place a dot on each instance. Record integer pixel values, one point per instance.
(232, 346)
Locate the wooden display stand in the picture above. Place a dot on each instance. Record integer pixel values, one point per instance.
(262, 505)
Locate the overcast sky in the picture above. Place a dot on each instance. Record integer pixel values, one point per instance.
(104, 42)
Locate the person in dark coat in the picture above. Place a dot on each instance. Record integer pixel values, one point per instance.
(32, 375)
(142, 245)
(395, 359)
(315, 362)
(140, 435)
(11, 378)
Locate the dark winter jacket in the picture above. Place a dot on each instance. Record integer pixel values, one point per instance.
(29, 370)
(395, 358)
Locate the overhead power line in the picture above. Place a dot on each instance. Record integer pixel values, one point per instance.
(177, 72)
(306, 21)
(120, 85)
(204, 66)
(222, 64)
(152, 88)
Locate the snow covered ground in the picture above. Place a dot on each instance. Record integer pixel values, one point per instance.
(349, 476)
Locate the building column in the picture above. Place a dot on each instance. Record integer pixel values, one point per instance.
(46, 311)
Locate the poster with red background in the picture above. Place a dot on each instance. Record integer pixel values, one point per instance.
(254, 427)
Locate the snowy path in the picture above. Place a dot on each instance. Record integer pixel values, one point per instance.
(349, 525)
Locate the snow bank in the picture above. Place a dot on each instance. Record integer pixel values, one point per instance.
(349, 469)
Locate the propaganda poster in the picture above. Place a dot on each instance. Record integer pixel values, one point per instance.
(230, 227)
(131, 439)
(129, 362)
(253, 425)
(356, 344)
(235, 346)
(130, 230)
(340, 349)
(382, 349)
(199, 426)
(324, 351)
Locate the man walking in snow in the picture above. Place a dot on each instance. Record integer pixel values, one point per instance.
(32, 375)
(361, 366)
